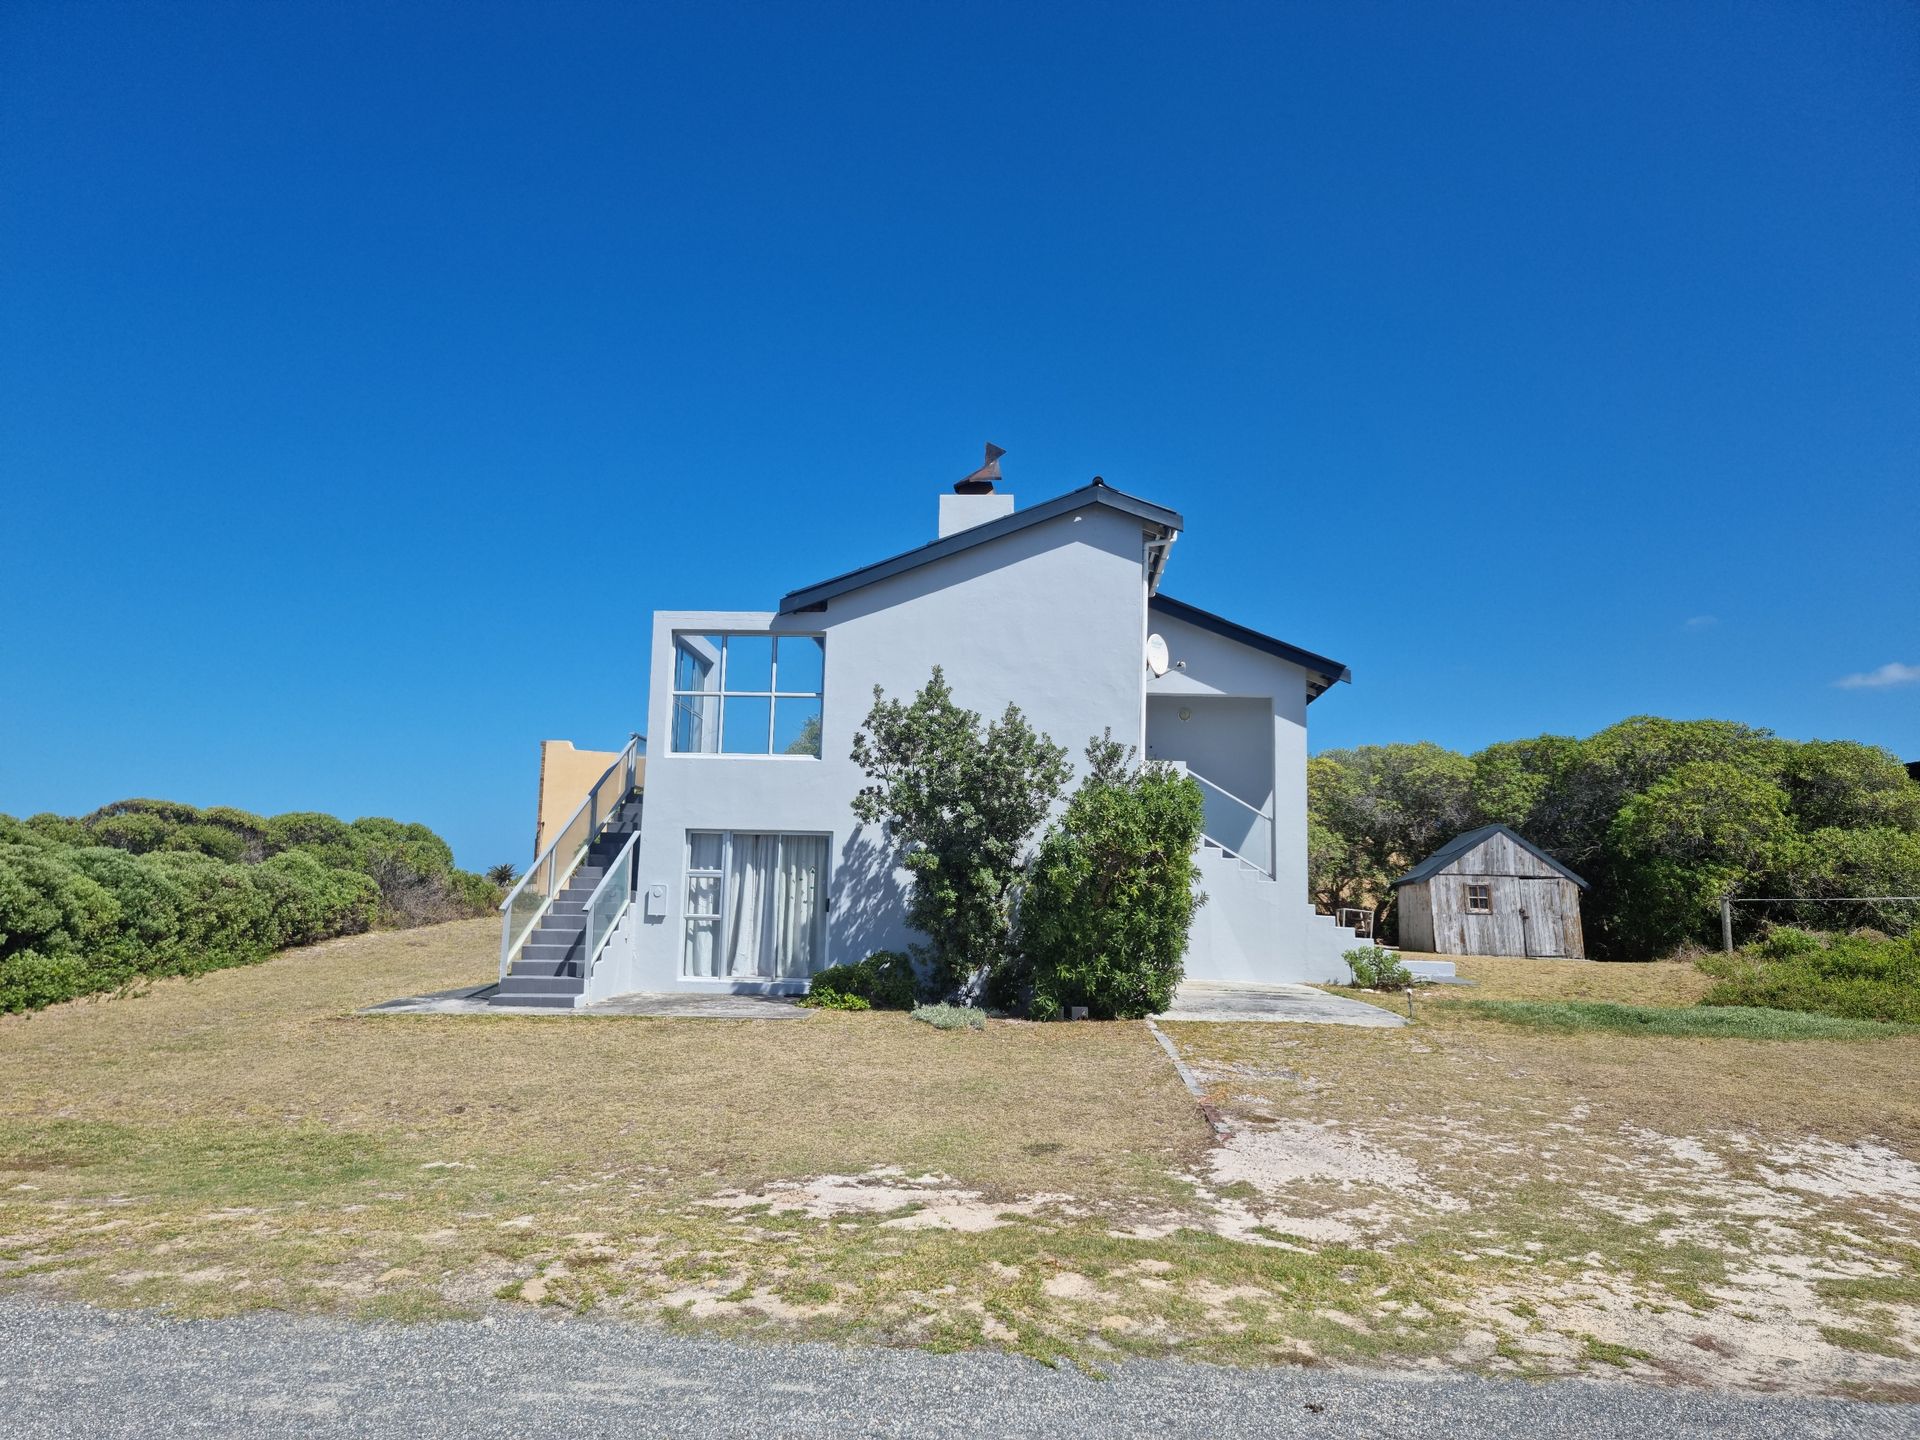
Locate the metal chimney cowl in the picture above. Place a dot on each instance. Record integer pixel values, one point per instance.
(974, 500)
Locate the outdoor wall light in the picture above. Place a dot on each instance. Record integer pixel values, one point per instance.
(1186, 712)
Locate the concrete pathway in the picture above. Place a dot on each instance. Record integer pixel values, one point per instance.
(66, 1371)
(472, 1000)
(1298, 1004)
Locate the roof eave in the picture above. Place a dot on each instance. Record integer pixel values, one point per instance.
(815, 597)
(1330, 672)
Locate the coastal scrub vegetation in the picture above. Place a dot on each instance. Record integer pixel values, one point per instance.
(145, 888)
(1661, 817)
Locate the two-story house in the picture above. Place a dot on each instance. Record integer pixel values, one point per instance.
(738, 866)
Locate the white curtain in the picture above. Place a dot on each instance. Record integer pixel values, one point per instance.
(770, 895)
(799, 918)
(750, 871)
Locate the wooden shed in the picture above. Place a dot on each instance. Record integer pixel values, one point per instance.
(1491, 892)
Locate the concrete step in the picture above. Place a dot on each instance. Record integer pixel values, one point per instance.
(540, 968)
(1430, 969)
(520, 983)
(537, 1002)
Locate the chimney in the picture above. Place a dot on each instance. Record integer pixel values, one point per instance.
(974, 500)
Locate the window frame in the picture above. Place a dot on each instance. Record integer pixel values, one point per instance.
(1481, 893)
(720, 694)
(688, 873)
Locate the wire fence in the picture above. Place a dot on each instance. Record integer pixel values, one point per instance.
(1743, 917)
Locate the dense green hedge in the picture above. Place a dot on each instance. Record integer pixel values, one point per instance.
(152, 887)
(1857, 977)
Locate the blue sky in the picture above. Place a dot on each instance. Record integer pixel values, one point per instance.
(369, 373)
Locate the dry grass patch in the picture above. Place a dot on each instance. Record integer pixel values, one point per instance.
(691, 1103)
(1456, 1191)
(1713, 1209)
(1659, 982)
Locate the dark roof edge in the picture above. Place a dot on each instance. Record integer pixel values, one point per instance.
(817, 595)
(1472, 840)
(1332, 670)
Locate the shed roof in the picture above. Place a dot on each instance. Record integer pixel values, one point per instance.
(1327, 672)
(1098, 493)
(1473, 839)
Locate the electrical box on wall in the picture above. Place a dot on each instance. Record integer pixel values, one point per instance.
(656, 902)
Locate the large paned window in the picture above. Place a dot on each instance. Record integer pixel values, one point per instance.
(747, 694)
(756, 905)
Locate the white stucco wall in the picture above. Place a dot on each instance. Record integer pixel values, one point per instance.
(1051, 618)
(1250, 929)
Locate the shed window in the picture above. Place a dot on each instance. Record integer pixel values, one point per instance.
(1479, 899)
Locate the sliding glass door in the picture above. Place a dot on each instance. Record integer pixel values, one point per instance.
(756, 905)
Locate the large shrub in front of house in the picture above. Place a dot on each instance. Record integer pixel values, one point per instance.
(147, 888)
(1110, 896)
(958, 802)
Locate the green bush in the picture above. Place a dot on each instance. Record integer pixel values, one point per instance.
(834, 1000)
(950, 1017)
(1377, 969)
(152, 887)
(49, 907)
(226, 918)
(308, 902)
(1688, 1021)
(1110, 895)
(29, 980)
(52, 921)
(147, 938)
(325, 835)
(1855, 977)
(885, 980)
(956, 801)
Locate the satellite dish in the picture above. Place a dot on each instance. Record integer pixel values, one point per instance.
(1156, 655)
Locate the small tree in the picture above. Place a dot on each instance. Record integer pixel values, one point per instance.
(1110, 897)
(502, 875)
(959, 804)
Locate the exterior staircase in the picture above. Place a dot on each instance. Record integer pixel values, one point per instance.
(550, 972)
(1251, 931)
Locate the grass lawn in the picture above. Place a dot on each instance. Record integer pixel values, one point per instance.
(1464, 1191)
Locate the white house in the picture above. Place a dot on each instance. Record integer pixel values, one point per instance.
(739, 866)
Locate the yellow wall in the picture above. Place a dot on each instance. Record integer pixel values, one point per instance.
(566, 774)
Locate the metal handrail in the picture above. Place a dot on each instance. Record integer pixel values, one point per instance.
(622, 870)
(1222, 790)
(1266, 816)
(548, 859)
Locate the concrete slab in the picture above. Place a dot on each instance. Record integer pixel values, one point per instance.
(1293, 1004)
(473, 1000)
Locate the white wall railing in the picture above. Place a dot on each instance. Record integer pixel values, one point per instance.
(534, 895)
(1235, 826)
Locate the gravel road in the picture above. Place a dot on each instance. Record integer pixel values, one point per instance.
(66, 1370)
